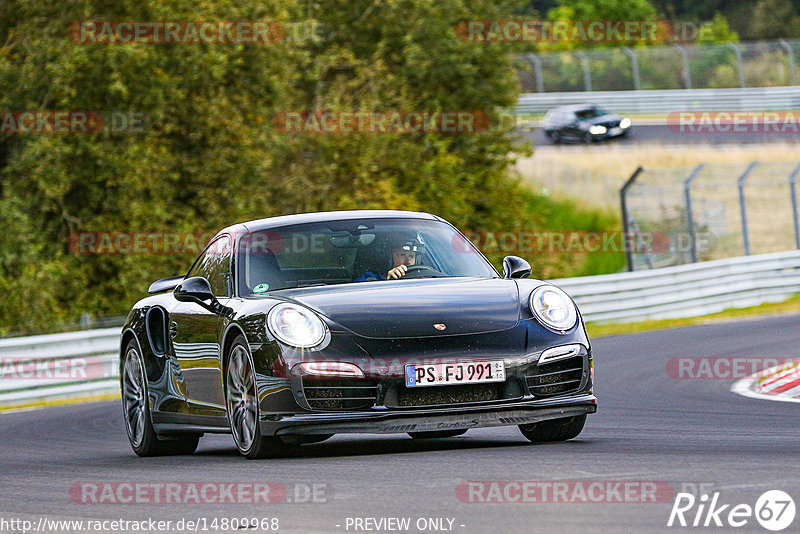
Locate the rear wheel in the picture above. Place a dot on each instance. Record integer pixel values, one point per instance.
(437, 434)
(555, 137)
(136, 410)
(554, 430)
(242, 406)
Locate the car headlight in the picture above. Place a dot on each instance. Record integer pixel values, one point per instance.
(625, 123)
(296, 326)
(553, 308)
(597, 129)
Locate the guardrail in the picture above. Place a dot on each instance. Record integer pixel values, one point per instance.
(59, 366)
(82, 364)
(668, 101)
(686, 290)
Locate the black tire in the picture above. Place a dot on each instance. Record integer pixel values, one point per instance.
(555, 137)
(589, 138)
(242, 408)
(137, 416)
(431, 434)
(554, 430)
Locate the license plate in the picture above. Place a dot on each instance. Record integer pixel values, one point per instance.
(442, 374)
(615, 131)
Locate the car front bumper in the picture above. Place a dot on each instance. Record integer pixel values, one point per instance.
(429, 419)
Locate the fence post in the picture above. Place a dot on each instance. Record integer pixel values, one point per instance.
(534, 60)
(792, 181)
(740, 184)
(637, 82)
(739, 63)
(624, 207)
(792, 66)
(587, 72)
(687, 195)
(687, 75)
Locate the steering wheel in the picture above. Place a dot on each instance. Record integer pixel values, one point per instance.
(418, 271)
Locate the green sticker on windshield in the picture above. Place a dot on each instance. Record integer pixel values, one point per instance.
(260, 288)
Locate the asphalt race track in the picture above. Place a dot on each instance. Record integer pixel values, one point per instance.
(661, 135)
(650, 427)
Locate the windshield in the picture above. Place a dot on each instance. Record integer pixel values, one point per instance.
(590, 113)
(354, 251)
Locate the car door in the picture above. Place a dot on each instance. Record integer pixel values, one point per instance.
(195, 332)
(572, 125)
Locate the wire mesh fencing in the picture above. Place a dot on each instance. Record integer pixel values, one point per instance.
(711, 211)
(676, 66)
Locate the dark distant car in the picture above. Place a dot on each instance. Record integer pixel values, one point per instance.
(585, 123)
(291, 329)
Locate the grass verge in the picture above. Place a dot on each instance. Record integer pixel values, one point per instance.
(59, 402)
(791, 305)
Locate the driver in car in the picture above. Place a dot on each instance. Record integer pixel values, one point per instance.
(404, 255)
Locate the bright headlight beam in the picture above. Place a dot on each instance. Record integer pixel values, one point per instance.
(597, 129)
(553, 308)
(296, 326)
(625, 123)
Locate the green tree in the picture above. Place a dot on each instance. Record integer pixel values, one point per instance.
(210, 155)
(716, 31)
(774, 19)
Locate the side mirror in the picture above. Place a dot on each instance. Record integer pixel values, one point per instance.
(195, 289)
(516, 267)
(166, 284)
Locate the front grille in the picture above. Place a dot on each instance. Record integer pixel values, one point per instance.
(556, 378)
(458, 394)
(339, 393)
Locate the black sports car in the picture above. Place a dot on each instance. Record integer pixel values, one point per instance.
(584, 123)
(290, 329)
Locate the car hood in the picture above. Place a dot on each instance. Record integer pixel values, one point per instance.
(609, 120)
(411, 308)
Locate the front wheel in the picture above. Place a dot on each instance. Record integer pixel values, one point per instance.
(136, 410)
(554, 430)
(242, 407)
(431, 434)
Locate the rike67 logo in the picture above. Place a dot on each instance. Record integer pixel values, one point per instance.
(774, 510)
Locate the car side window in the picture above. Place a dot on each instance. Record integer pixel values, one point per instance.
(215, 266)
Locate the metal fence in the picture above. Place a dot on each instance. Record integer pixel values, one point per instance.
(667, 101)
(746, 64)
(712, 211)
